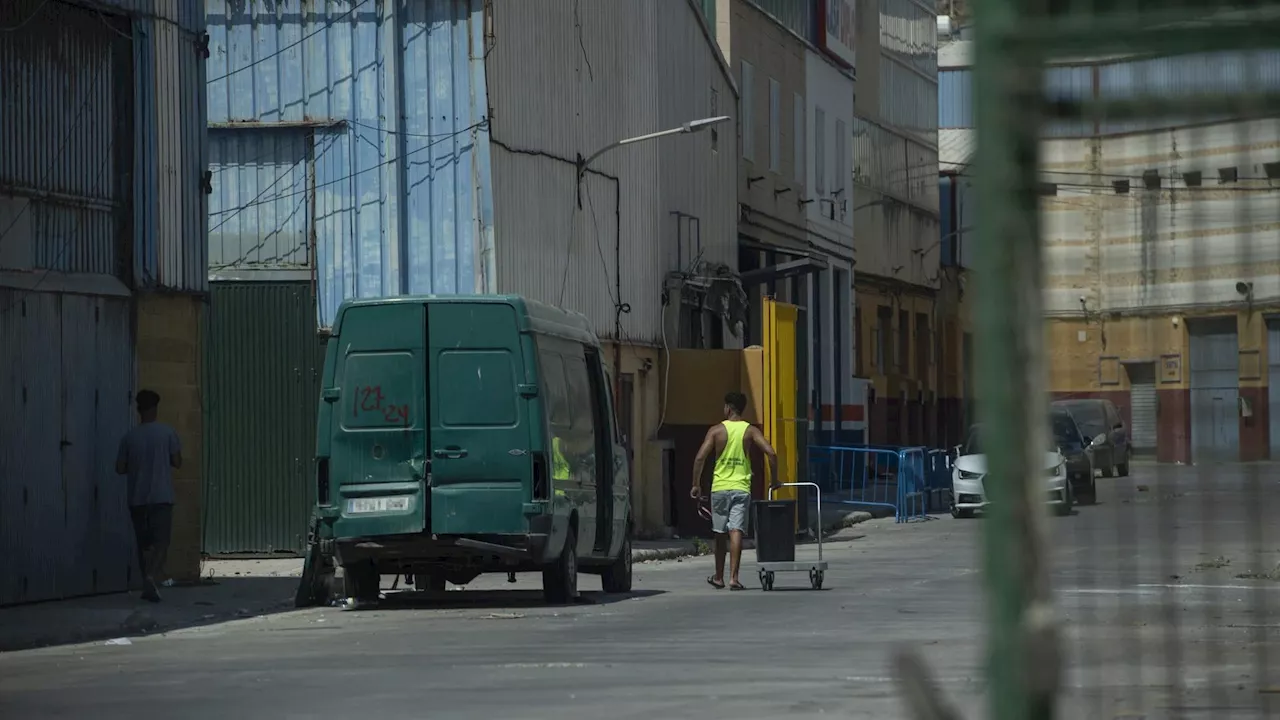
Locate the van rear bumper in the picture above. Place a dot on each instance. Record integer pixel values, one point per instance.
(485, 552)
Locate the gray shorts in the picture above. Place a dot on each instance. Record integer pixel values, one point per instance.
(729, 511)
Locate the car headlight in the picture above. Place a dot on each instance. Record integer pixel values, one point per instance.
(966, 475)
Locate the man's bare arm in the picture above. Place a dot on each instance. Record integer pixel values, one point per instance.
(700, 462)
(758, 438)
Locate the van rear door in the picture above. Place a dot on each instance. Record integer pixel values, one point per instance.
(378, 447)
(481, 469)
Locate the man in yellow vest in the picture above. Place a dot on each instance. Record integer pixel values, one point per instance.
(731, 483)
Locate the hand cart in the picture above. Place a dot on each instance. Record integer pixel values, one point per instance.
(776, 539)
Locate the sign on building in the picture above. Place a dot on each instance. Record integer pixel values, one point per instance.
(836, 30)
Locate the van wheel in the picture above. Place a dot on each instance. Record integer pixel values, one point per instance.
(560, 581)
(361, 581)
(617, 577)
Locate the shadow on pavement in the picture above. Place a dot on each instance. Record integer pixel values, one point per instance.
(120, 615)
(495, 599)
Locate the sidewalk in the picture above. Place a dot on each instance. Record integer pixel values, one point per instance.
(231, 589)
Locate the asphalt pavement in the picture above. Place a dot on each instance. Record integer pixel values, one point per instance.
(1165, 590)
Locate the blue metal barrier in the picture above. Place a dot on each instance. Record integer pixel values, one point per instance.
(873, 476)
(938, 479)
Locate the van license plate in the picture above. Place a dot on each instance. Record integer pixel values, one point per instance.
(362, 506)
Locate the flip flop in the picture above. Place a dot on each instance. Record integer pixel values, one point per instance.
(738, 586)
(711, 580)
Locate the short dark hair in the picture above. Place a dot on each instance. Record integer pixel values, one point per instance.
(147, 399)
(736, 400)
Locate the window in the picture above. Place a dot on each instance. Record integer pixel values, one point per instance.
(842, 160)
(477, 388)
(556, 392)
(581, 400)
(580, 444)
(797, 131)
(748, 101)
(775, 125)
(904, 340)
(819, 152)
(884, 328)
(922, 346)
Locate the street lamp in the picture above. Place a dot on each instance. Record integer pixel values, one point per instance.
(692, 126)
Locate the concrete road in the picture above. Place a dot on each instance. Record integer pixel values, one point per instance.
(1157, 626)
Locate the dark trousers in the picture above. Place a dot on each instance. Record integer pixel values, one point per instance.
(152, 525)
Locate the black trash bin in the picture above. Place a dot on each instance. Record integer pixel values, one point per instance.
(775, 524)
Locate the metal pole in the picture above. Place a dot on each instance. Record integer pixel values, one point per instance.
(1023, 640)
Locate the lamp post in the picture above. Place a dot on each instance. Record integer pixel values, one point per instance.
(688, 128)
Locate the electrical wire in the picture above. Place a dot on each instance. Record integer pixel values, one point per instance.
(67, 240)
(328, 24)
(482, 123)
(23, 23)
(66, 142)
(244, 257)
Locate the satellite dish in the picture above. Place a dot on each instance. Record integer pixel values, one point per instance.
(1244, 288)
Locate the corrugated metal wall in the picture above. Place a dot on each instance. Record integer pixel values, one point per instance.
(552, 83)
(264, 361)
(276, 231)
(1173, 76)
(395, 95)
(131, 107)
(169, 185)
(66, 129)
(66, 386)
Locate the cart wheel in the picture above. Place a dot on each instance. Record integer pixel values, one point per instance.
(770, 579)
(816, 579)
(764, 581)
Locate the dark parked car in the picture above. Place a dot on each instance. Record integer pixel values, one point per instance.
(1100, 417)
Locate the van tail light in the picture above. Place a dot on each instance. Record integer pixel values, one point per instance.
(322, 481)
(541, 489)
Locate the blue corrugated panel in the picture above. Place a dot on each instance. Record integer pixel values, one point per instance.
(1174, 76)
(955, 99)
(392, 106)
(1184, 75)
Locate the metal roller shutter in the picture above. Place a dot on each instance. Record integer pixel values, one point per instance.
(1142, 407)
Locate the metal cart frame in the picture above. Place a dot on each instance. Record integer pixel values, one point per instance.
(817, 570)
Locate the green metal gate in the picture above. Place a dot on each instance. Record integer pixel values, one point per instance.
(263, 360)
(1224, 629)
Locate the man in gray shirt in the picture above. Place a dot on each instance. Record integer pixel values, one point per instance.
(149, 453)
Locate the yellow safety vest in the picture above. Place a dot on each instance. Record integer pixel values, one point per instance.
(559, 467)
(733, 468)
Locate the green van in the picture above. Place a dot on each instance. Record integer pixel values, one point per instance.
(461, 435)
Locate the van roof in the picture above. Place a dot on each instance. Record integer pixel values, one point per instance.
(532, 316)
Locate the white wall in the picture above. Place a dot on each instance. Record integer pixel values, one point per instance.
(831, 90)
(632, 68)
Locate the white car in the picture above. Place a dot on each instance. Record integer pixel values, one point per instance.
(969, 471)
